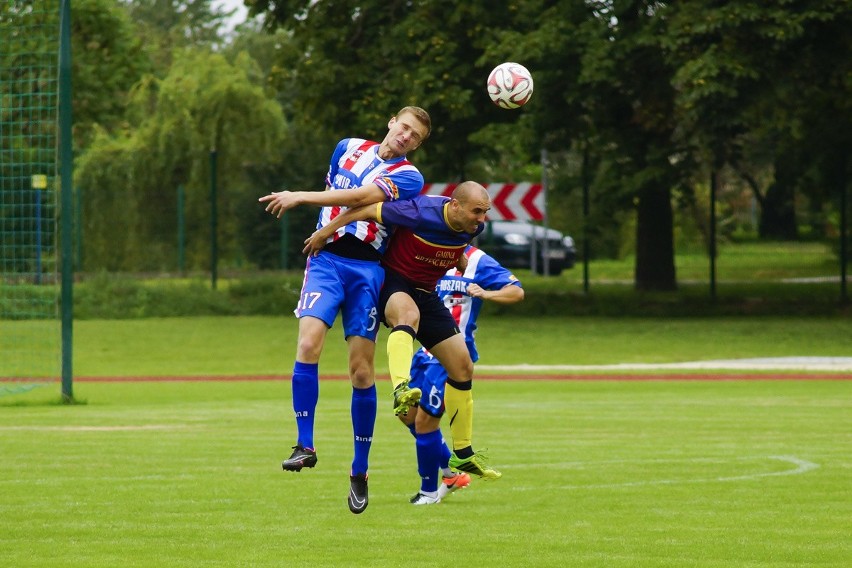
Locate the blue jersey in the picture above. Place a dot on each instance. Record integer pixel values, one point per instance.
(427, 373)
(452, 288)
(424, 245)
(355, 162)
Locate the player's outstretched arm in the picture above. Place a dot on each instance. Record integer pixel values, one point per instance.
(279, 202)
(508, 294)
(316, 241)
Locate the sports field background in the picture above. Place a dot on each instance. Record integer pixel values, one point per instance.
(706, 473)
(247, 346)
(596, 473)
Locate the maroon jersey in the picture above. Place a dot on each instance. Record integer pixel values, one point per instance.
(424, 245)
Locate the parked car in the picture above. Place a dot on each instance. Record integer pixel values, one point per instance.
(512, 243)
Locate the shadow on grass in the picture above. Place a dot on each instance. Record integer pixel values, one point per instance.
(18, 395)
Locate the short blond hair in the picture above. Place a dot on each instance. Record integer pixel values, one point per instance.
(421, 115)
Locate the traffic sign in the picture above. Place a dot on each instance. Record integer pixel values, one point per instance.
(509, 201)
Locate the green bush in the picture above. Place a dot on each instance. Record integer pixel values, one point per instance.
(27, 301)
(121, 297)
(266, 295)
(754, 278)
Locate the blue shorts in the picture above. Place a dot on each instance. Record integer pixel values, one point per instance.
(336, 284)
(429, 376)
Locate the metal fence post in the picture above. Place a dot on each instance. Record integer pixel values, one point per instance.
(214, 249)
(181, 236)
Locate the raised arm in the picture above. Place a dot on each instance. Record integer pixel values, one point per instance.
(316, 241)
(279, 202)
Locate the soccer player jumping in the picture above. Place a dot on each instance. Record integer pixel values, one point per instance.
(345, 279)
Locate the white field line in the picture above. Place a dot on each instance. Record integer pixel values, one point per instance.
(93, 428)
(838, 364)
(800, 466)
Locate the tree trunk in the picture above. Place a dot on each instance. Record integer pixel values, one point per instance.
(655, 269)
(778, 215)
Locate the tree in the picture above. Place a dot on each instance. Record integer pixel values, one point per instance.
(659, 94)
(172, 25)
(334, 83)
(614, 78)
(361, 62)
(28, 128)
(760, 86)
(108, 59)
(676, 90)
(130, 178)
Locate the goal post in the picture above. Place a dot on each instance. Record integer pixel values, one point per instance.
(66, 177)
(36, 216)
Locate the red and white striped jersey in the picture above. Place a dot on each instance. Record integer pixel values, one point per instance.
(356, 163)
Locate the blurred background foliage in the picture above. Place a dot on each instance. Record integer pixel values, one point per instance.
(642, 102)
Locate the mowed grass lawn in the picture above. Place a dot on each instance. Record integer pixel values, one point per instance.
(247, 346)
(596, 473)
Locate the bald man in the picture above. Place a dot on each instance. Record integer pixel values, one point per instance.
(430, 236)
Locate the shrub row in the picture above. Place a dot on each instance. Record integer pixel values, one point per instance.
(121, 297)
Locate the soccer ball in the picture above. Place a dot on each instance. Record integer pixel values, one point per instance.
(510, 85)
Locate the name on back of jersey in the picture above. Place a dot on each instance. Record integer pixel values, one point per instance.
(452, 285)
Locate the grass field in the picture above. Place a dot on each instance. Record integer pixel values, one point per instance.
(601, 473)
(739, 262)
(612, 473)
(266, 345)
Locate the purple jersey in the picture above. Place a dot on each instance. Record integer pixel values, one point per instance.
(356, 163)
(424, 246)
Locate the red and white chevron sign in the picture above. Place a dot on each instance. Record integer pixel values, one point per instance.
(509, 201)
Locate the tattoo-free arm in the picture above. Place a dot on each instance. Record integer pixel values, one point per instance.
(279, 202)
(508, 294)
(316, 241)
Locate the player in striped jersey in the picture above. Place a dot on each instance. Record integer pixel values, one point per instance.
(345, 279)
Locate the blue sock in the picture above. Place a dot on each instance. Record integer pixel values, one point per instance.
(428, 458)
(305, 387)
(363, 411)
(445, 454)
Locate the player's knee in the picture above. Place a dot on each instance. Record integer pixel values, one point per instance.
(425, 423)
(362, 375)
(462, 372)
(410, 318)
(309, 349)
